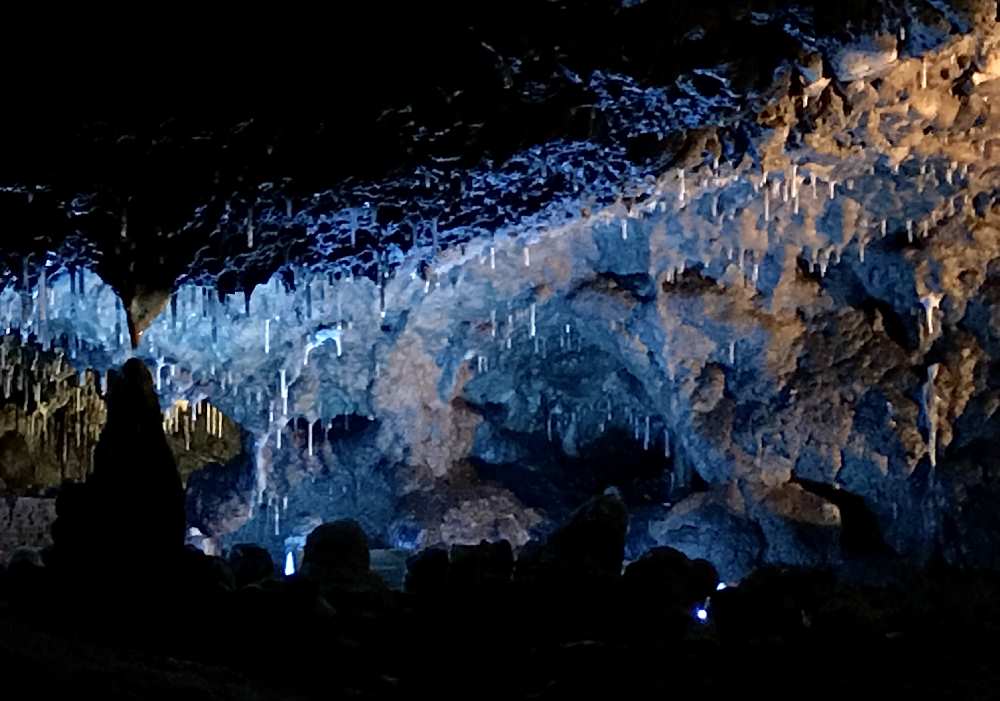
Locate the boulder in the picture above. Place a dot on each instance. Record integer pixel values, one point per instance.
(712, 526)
(669, 576)
(336, 557)
(250, 564)
(206, 574)
(800, 528)
(772, 603)
(591, 546)
(427, 572)
(25, 577)
(483, 564)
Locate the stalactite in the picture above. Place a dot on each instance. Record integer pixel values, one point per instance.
(930, 411)
(250, 228)
(930, 302)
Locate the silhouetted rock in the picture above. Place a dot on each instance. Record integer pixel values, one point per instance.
(770, 604)
(668, 575)
(590, 546)
(129, 516)
(206, 574)
(483, 564)
(337, 547)
(427, 572)
(336, 557)
(25, 575)
(250, 564)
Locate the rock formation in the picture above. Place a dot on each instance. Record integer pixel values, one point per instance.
(720, 290)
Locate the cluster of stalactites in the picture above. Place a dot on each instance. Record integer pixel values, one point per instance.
(56, 409)
(193, 419)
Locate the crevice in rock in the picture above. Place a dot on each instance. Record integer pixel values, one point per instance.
(861, 535)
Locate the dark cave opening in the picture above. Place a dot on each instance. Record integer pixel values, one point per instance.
(860, 534)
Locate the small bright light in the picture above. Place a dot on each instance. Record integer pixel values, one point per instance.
(701, 614)
(289, 565)
(720, 586)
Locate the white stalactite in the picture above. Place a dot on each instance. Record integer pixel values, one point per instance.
(931, 302)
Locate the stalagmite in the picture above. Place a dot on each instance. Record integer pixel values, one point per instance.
(527, 257)
(532, 330)
(923, 73)
(682, 193)
(645, 436)
(624, 228)
(666, 443)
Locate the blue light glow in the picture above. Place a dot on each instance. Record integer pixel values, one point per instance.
(289, 565)
(701, 614)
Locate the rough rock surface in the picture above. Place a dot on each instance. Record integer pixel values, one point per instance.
(757, 299)
(25, 522)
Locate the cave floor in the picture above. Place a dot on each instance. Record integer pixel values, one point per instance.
(43, 663)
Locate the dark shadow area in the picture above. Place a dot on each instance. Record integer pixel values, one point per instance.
(860, 534)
